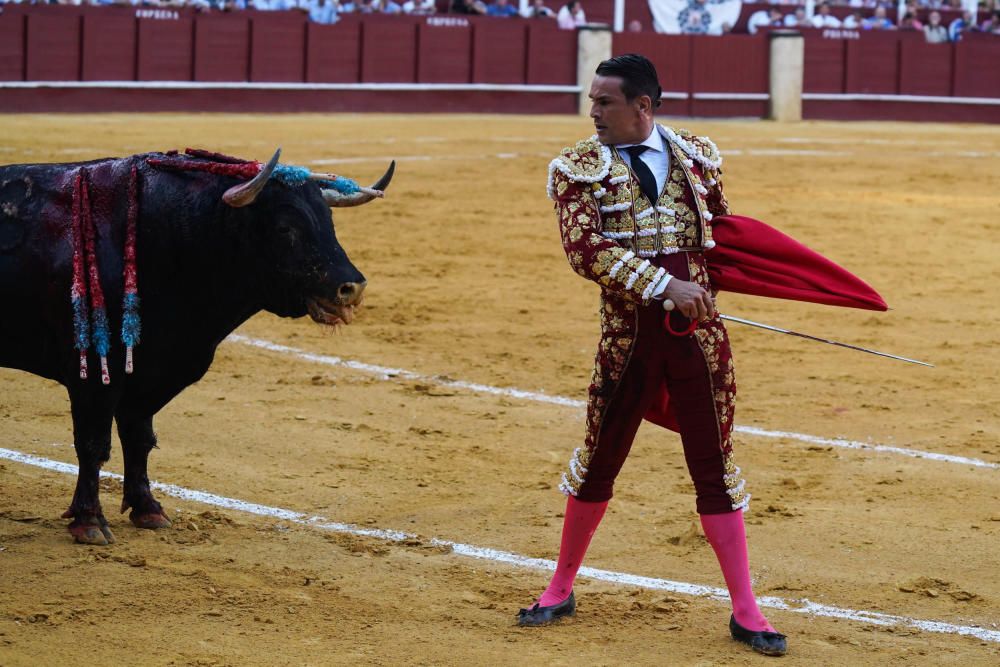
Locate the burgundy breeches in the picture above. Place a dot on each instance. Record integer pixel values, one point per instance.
(685, 365)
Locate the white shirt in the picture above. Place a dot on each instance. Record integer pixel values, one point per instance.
(657, 159)
(828, 21)
(655, 156)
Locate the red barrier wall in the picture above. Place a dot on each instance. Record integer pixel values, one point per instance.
(53, 47)
(498, 52)
(222, 47)
(824, 64)
(924, 69)
(387, 48)
(551, 54)
(12, 47)
(278, 47)
(444, 54)
(976, 70)
(165, 49)
(108, 47)
(333, 53)
(711, 76)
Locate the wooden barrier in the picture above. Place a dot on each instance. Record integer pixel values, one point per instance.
(333, 52)
(457, 63)
(12, 49)
(278, 47)
(108, 49)
(222, 47)
(444, 53)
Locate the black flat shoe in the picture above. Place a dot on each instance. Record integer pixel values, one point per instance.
(544, 615)
(762, 641)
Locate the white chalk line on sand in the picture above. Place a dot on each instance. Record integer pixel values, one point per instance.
(799, 606)
(386, 373)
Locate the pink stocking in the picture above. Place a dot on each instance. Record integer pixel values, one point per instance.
(726, 534)
(579, 524)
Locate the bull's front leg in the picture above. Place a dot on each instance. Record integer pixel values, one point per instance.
(138, 439)
(92, 440)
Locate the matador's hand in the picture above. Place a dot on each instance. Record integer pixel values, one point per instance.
(691, 299)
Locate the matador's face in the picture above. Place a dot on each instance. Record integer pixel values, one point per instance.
(616, 119)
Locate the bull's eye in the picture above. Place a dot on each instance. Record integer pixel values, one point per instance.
(286, 230)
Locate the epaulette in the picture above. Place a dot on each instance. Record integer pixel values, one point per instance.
(700, 149)
(587, 162)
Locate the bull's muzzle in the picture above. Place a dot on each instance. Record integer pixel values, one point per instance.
(340, 310)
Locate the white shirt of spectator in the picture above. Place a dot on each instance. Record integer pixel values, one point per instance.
(759, 19)
(657, 159)
(419, 7)
(568, 20)
(828, 21)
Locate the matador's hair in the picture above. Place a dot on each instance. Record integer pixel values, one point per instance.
(637, 74)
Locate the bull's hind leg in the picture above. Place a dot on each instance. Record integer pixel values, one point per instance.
(92, 440)
(136, 434)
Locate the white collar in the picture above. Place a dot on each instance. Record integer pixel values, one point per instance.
(653, 142)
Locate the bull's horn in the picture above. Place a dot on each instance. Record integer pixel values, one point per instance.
(363, 196)
(244, 194)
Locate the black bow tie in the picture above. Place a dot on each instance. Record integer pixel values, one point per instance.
(647, 182)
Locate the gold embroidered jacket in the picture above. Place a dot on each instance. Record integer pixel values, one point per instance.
(610, 229)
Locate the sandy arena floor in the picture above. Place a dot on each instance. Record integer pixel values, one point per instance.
(468, 282)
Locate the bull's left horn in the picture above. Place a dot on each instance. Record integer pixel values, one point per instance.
(244, 194)
(335, 199)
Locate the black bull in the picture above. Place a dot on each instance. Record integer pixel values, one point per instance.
(211, 252)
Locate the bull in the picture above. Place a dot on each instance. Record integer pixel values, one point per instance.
(206, 244)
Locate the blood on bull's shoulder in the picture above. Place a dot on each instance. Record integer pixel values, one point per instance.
(120, 277)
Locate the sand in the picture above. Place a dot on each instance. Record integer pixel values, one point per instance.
(467, 281)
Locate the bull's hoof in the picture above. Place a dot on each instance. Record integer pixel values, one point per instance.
(150, 520)
(91, 533)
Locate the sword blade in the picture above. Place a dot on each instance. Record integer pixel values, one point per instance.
(789, 332)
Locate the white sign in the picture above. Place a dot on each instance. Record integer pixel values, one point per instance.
(694, 17)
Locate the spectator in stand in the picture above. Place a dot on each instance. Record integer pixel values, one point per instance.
(879, 21)
(635, 25)
(764, 18)
(323, 11)
(468, 7)
(501, 8)
(367, 6)
(346, 7)
(960, 25)
(934, 31)
(538, 10)
(571, 15)
(824, 19)
(390, 7)
(419, 7)
(852, 21)
(798, 19)
(910, 22)
(992, 24)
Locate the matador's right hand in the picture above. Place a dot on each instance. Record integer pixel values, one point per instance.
(691, 299)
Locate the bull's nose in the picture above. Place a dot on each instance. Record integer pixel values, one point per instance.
(349, 294)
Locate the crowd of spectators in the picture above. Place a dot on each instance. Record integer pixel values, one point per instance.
(879, 17)
(866, 14)
(568, 16)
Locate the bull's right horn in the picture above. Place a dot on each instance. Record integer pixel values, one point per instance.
(363, 196)
(244, 194)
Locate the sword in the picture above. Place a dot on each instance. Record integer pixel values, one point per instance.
(668, 305)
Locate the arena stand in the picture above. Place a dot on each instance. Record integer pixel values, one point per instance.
(82, 58)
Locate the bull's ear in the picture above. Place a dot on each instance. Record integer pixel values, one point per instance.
(244, 194)
(335, 199)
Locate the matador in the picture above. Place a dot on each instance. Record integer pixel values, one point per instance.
(635, 204)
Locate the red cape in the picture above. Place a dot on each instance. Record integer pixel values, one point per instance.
(751, 257)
